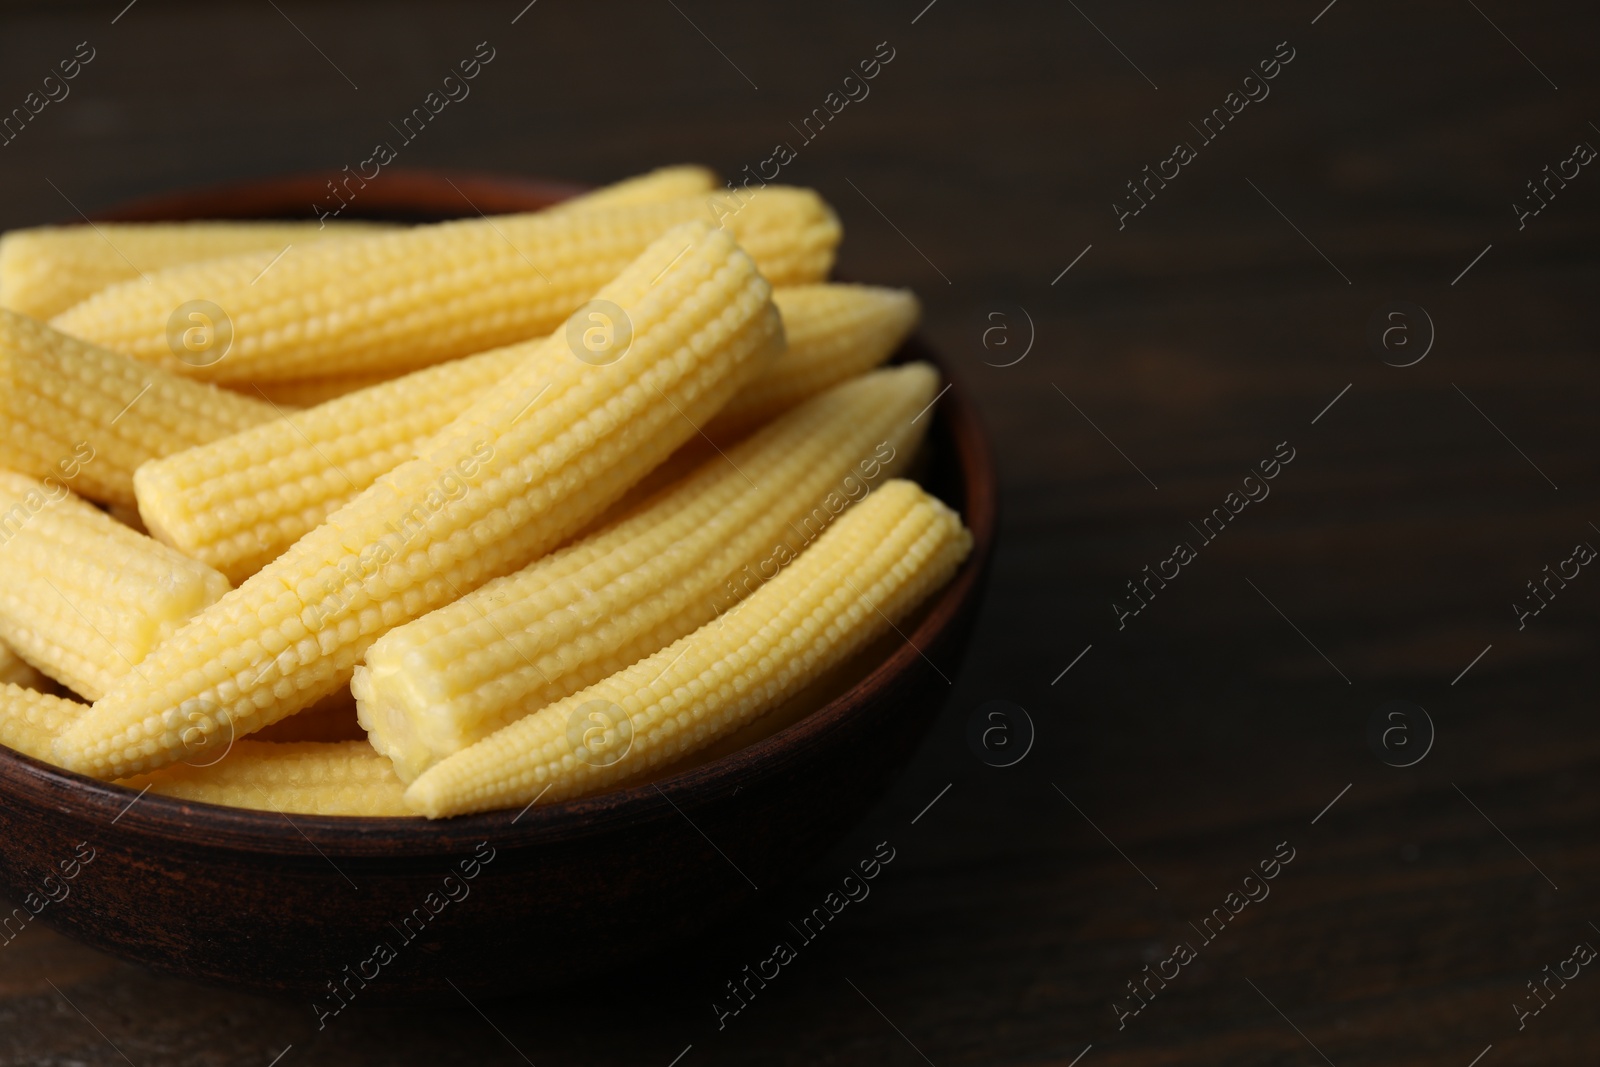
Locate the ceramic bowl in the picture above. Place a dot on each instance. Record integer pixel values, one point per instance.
(300, 905)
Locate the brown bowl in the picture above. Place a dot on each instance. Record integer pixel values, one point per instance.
(299, 905)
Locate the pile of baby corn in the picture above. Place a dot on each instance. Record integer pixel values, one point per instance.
(460, 517)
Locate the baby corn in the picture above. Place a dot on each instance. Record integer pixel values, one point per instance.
(47, 269)
(238, 502)
(524, 467)
(835, 332)
(14, 670)
(433, 293)
(300, 778)
(31, 721)
(872, 567)
(82, 597)
(432, 687)
(90, 417)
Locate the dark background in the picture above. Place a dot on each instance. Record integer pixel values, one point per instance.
(1229, 713)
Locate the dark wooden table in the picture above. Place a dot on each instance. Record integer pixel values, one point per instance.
(1230, 719)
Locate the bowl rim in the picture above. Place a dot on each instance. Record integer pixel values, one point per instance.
(256, 831)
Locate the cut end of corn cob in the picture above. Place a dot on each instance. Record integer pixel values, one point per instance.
(47, 269)
(31, 721)
(82, 597)
(509, 479)
(873, 566)
(299, 778)
(434, 686)
(382, 303)
(75, 412)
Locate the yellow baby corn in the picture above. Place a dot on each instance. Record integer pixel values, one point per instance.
(89, 417)
(523, 468)
(238, 502)
(432, 687)
(14, 670)
(302, 778)
(663, 183)
(666, 183)
(30, 721)
(47, 269)
(835, 332)
(873, 566)
(814, 695)
(433, 293)
(82, 597)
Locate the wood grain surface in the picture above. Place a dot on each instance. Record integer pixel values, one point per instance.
(1215, 728)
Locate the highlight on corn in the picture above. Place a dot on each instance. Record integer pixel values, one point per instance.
(521, 469)
(434, 686)
(436, 292)
(871, 568)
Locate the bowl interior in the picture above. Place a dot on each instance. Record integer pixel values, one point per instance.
(958, 469)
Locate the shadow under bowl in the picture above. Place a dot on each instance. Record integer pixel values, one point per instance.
(286, 904)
